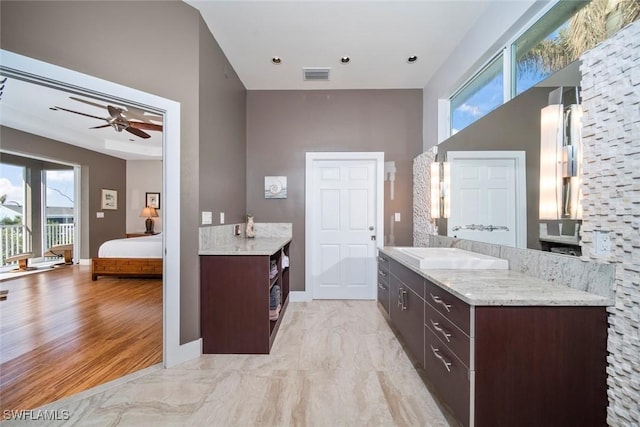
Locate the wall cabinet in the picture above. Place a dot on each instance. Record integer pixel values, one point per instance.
(503, 365)
(234, 302)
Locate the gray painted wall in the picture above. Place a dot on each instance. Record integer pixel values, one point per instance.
(162, 57)
(283, 125)
(97, 171)
(512, 126)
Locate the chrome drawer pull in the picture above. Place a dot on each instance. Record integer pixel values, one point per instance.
(442, 359)
(438, 300)
(400, 298)
(404, 298)
(382, 273)
(381, 259)
(381, 286)
(439, 329)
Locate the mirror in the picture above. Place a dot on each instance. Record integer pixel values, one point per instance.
(516, 126)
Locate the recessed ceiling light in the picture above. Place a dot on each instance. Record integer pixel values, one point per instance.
(412, 59)
(276, 60)
(345, 59)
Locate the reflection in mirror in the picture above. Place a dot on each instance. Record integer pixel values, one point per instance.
(515, 126)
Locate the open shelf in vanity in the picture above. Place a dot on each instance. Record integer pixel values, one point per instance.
(235, 298)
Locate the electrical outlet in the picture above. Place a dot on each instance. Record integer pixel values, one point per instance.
(99, 214)
(236, 230)
(602, 243)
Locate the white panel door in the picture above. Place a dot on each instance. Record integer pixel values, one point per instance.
(343, 221)
(483, 193)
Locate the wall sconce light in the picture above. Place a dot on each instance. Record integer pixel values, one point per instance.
(149, 213)
(560, 162)
(440, 190)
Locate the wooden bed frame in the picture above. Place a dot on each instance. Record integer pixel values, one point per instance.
(126, 267)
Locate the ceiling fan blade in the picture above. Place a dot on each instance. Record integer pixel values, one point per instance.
(82, 114)
(139, 114)
(145, 126)
(88, 102)
(138, 132)
(100, 127)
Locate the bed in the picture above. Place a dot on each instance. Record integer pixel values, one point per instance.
(133, 257)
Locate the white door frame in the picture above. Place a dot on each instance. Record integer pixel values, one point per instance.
(173, 352)
(521, 183)
(312, 157)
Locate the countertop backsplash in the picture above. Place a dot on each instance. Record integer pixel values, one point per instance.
(574, 272)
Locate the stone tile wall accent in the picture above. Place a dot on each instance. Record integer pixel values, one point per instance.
(611, 202)
(423, 224)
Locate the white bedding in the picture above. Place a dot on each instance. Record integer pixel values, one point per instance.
(135, 247)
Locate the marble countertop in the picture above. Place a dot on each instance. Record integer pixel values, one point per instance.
(503, 287)
(244, 246)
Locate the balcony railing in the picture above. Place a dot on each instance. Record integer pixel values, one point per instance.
(15, 239)
(58, 234)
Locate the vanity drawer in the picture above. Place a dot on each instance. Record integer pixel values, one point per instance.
(408, 277)
(449, 334)
(449, 376)
(383, 295)
(383, 261)
(454, 309)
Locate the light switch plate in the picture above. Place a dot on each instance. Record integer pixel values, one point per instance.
(397, 217)
(99, 214)
(207, 218)
(221, 217)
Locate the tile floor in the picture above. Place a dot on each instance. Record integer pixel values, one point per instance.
(334, 363)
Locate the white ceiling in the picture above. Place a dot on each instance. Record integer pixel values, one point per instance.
(378, 36)
(26, 106)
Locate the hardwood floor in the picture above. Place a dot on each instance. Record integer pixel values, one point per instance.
(61, 333)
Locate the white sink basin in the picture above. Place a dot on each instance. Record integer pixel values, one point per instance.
(450, 258)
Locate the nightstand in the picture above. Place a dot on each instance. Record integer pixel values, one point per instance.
(140, 234)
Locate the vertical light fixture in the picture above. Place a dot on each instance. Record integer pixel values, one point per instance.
(550, 164)
(440, 190)
(560, 162)
(446, 189)
(435, 190)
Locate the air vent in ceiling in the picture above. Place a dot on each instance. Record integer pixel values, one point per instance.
(315, 74)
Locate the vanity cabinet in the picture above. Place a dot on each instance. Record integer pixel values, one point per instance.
(383, 282)
(504, 365)
(407, 308)
(234, 302)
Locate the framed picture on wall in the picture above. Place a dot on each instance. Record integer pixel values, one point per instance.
(109, 199)
(275, 187)
(153, 200)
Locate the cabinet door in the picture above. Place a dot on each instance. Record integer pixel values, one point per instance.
(383, 283)
(413, 322)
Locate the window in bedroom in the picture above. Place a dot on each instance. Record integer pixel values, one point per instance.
(13, 232)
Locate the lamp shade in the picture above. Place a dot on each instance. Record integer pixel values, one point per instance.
(148, 212)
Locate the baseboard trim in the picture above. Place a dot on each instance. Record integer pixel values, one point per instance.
(85, 261)
(184, 353)
(300, 296)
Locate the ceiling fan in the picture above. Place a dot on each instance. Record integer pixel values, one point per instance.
(131, 119)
